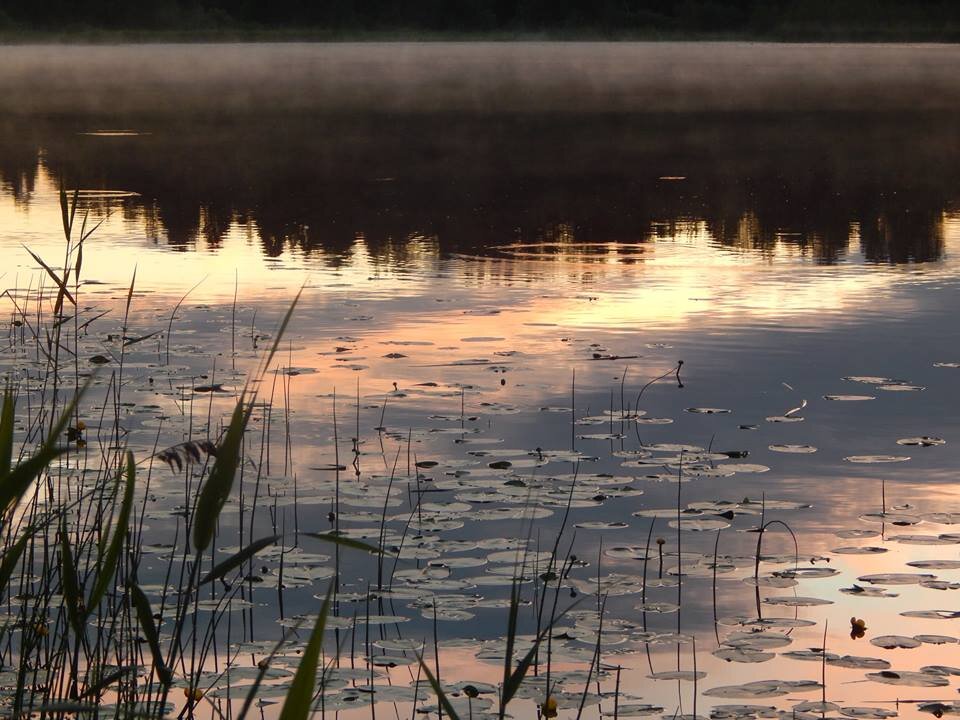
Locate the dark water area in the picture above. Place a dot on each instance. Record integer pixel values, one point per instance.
(311, 181)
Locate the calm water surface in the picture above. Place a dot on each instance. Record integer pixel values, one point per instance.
(499, 251)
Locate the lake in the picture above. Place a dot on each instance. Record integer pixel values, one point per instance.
(560, 302)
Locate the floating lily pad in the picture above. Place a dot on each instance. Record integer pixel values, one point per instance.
(940, 669)
(770, 581)
(893, 518)
(935, 639)
(743, 655)
(629, 552)
(925, 539)
(758, 640)
(741, 712)
(657, 607)
(745, 468)
(875, 459)
(858, 662)
(935, 564)
(780, 622)
(932, 614)
(699, 525)
(763, 688)
(808, 573)
(868, 379)
(688, 675)
(942, 518)
(895, 578)
(795, 449)
(922, 441)
(674, 448)
(912, 679)
(891, 642)
(850, 534)
(939, 709)
(867, 713)
(861, 550)
(634, 710)
(813, 655)
(877, 592)
(815, 706)
(796, 601)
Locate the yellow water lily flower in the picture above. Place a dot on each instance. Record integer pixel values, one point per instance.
(858, 628)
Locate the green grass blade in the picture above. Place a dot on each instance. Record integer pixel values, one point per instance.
(53, 276)
(64, 210)
(345, 542)
(280, 332)
(79, 265)
(6, 432)
(16, 482)
(438, 691)
(107, 570)
(106, 681)
(300, 695)
(219, 483)
(263, 665)
(68, 575)
(237, 559)
(511, 639)
(515, 679)
(12, 557)
(73, 211)
(145, 616)
(134, 340)
(107, 526)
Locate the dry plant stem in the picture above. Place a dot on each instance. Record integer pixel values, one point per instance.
(716, 624)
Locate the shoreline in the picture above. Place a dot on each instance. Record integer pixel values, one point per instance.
(100, 36)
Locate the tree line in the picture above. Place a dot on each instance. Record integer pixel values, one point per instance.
(797, 19)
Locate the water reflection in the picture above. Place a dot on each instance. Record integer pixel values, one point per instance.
(826, 185)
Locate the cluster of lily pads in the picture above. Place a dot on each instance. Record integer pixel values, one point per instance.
(465, 544)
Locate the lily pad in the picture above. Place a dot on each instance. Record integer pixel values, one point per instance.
(911, 679)
(875, 459)
(793, 449)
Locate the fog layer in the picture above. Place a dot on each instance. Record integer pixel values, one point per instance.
(476, 77)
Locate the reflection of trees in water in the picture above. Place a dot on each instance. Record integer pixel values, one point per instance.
(903, 236)
(18, 163)
(822, 186)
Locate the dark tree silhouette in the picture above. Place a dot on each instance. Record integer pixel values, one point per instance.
(777, 18)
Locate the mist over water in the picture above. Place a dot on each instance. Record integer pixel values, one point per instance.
(477, 77)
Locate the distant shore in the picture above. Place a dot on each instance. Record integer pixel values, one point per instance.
(109, 36)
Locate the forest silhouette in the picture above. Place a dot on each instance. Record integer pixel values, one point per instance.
(786, 19)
